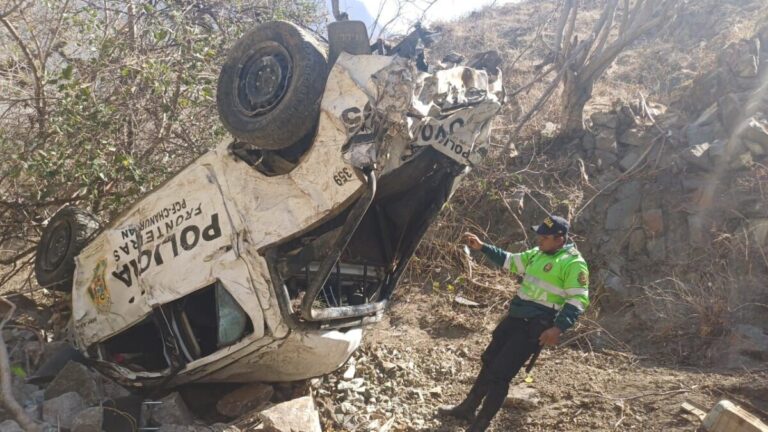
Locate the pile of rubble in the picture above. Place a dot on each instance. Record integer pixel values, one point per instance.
(392, 389)
(383, 389)
(64, 394)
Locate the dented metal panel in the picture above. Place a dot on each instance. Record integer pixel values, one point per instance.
(214, 220)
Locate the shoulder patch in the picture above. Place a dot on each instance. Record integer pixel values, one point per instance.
(547, 267)
(583, 278)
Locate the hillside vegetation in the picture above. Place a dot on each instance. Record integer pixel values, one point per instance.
(667, 191)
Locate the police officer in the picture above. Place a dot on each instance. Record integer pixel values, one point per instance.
(552, 295)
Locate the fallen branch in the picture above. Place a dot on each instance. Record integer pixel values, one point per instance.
(642, 395)
(6, 393)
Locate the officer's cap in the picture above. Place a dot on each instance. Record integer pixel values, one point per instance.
(552, 225)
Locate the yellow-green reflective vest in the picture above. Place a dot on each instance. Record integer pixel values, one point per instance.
(552, 280)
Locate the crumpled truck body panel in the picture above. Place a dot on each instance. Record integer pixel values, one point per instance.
(210, 224)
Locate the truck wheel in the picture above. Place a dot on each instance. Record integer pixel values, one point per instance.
(271, 84)
(66, 235)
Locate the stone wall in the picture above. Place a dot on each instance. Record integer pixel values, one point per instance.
(681, 211)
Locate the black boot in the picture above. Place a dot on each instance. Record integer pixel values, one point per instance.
(458, 411)
(465, 410)
(497, 392)
(479, 425)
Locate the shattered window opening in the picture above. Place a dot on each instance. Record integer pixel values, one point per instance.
(139, 348)
(202, 323)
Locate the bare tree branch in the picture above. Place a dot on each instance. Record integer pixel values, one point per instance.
(6, 392)
(36, 74)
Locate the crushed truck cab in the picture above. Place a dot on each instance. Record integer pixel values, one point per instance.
(265, 263)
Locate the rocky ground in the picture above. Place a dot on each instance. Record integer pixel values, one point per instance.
(423, 355)
(674, 224)
(411, 364)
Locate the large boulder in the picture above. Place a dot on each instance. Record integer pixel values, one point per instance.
(745, 347)
(621, 215)
(605, 119)
(615, 292)
(633, 137)
(171, 410)
(297, 415)
(10, 426)
(756, 131)
(244, 399)
(742, 58)
(89, 420)
(63, 409)
(606, 141)
(92, 386)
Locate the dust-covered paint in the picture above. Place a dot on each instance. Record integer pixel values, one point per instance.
(211, 221)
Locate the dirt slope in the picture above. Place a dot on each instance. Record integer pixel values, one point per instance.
(412, 363)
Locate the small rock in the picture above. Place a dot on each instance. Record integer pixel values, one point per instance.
(298, 415)
(729, 107)
(757, 132)
(10, 426)
(549, 130)
(698, 155)
(435, 392)
(605, 158)
(244, 399)
(696, 230)
(588, 141)
(759, 230)
(656, 248)
(621, 215)
(89, 420)
(521, 396)
(606, 141)
(605, 119)
(350, 372)
(171, 410)
(629, 160)
(218, 427)
(743, 160)
(347, 408)
(754, 148)
(388, 366)
(653, 221)
(633, 137)
(637, 244)
(702, 134)
(63, 409)
(616, 292)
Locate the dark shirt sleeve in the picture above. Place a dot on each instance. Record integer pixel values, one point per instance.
(496, 255)
(567, 317)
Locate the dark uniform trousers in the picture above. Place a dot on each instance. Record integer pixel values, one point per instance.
(513, 342)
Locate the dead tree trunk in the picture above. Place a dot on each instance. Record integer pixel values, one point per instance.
(581, 62)
(575, 96)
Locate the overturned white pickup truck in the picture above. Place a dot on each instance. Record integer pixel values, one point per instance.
(264, 258)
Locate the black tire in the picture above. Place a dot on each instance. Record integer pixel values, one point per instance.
(271, 84)
(63, 239)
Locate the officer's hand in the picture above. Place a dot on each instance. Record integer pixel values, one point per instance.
(472, 241)
(550, 336)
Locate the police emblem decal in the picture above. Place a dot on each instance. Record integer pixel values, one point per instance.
(583, 278)
(98, 290)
